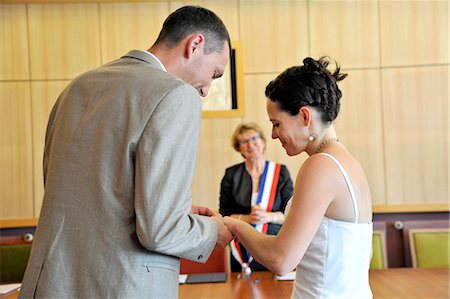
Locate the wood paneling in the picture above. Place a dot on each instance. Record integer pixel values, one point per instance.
(214, 156)
(275, 34)
(359, 126)
(345, 30)
(14, 41)
(394, 115)
(128, 26)
(64, 38)
(414, 32)
(416, 129)
(411, 208)
(24, 222)
(16, 167)
(45, 95)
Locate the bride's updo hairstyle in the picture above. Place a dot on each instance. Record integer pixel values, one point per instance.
(309, 85)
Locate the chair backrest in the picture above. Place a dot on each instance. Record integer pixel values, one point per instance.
(14, 255)
(426, 243)
(379, 252)
(217, 262)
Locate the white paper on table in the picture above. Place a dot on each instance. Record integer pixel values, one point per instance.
(289, 276)
(182, 278)
(8, 288)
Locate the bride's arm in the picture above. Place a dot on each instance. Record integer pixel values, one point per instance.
(313, 193)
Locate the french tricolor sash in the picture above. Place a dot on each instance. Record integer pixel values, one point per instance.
(266, 196)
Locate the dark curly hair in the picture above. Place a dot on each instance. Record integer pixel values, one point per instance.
(309, 85)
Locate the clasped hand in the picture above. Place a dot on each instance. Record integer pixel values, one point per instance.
(259, 215)
(224, 235)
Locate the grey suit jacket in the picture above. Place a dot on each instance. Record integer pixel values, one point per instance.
(119, 160)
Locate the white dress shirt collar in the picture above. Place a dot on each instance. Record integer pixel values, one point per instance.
(156, 58)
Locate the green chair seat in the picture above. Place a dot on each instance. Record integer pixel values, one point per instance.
(13, 262)
(430, 248)
(379, 252)
(377, 261)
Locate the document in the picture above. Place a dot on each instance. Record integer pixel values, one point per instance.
(8, 288)
(182, 278)
(289, 276)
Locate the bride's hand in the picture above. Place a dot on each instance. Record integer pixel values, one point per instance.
(230, 222)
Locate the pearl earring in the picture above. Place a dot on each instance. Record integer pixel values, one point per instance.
(311, 138)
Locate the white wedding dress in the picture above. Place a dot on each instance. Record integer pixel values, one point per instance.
(336, 263)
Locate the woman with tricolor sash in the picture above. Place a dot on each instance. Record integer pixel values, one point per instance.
(255, 191)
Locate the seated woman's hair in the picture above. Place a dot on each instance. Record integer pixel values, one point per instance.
(311, 84)
(244, 128)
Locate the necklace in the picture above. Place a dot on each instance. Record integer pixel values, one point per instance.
(325, 142)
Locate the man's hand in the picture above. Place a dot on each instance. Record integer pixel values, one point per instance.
(202, 211)
(224, 236)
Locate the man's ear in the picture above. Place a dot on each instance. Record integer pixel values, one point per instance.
(194, 44)
(305, 115)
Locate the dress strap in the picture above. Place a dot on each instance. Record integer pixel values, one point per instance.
(348, 182)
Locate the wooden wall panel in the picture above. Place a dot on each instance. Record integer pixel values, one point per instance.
(128, 26)
(214, 156)
(394, 109)
(16, 168)
(64, 38)
(345, 30)
(256, 101)
(416, 130)
(414, 32)
(359, 126)
(44, 97)
(14, 40)
(275, 34)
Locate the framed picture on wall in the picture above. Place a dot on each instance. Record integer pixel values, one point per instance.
(226, 96)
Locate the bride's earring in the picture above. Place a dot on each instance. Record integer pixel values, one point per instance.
(311, 138)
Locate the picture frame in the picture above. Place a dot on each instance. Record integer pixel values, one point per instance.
(226, 94)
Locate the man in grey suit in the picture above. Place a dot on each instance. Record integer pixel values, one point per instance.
(120, 151)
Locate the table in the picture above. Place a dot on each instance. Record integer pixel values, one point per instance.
(259, 285)
(410, 283)
(394, 283)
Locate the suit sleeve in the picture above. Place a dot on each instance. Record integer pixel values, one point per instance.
(165, 162)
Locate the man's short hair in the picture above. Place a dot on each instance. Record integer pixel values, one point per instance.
(194, 19)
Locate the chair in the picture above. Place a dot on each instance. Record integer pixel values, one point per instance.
(379, 252)
(426, 243)
(14, 255)
(217, 262)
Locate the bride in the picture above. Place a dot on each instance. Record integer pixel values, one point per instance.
(327, 234)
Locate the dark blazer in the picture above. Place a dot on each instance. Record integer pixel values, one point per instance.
(235, 198)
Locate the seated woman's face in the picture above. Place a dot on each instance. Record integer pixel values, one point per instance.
(251, 145)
